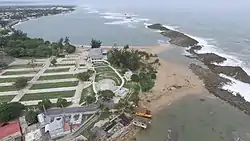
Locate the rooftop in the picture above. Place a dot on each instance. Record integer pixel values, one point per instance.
(7, 129)
(95, 53)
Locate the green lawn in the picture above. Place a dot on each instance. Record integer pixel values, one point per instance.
(49, 95)
(6, 98)
(50, 77)
(57, 70)
(54, 85)
(85, 92)
(7, 88)
(103, 69)
(4, 80)
(23, 66)
(20, 72)
(109, 75)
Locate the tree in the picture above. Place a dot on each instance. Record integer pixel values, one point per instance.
(53, 61)
(153, 76)
(44, 104)
(31, 117)
(84, 76)
(21, 83)
(126, 47)
(10, 111)
(61, 103)
(90, 99)
(95, 43)
(135, 78)
(66, 41)
(106, 94)
(69, 48)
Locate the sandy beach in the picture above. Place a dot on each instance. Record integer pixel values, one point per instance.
(173, 82)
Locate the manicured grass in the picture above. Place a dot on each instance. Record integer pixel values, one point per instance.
(20, 72)
(49, 95)
(103, 69)
(7, 88)
(57, 70)
(23, 66)
(4, 80)
(50, 77)
(6, 98)
(85, 92)
(109, 75)
(54, 85)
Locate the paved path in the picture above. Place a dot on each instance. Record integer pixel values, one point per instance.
(7, 84)
(23, 69)
(16, 76)
(77, 97)
(9, 93)
(35, 102)
(55, 80)
(35, 78)
(61, 89)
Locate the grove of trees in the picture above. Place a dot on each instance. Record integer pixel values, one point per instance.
(95, 43)
(10, 111)
(84, 76)
(106, 95)
(31, 117)
(61, 102)
(44, 104)
(19, 45)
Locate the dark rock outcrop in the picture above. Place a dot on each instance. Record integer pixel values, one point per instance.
(213, 83)
(208, 58)
(176, 38)
(233, 71)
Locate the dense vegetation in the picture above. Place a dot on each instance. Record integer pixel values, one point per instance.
(19, 45)
(142, 64)
(95, 43)
(84, 76)
(106, 95)
(31, 117)
(61, 103)
(10, 111)
(44, 104)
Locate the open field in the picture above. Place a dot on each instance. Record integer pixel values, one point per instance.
(6, 98)
(54, 85)
(56, 70)
(51, 77)
(19, 72)
(49, 95)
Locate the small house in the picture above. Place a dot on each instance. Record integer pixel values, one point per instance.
(141, 122)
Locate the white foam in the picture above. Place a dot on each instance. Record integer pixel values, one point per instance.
(171, 27)
(237, 87)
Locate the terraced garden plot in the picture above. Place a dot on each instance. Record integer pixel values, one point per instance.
(51, 77)
(103, 69)
(73, 64)
(49, 95)
(20, 72)
(108, 75)
(57, 70)
(6, 98)
(7, 88)
(5, 80)
(54, 85)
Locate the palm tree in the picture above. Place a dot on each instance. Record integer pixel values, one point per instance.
(66, 41)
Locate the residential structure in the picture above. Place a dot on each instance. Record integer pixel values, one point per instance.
(141, 122)
(10, 131)
(95, 54)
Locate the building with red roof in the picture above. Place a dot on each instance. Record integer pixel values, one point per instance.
(10, 131)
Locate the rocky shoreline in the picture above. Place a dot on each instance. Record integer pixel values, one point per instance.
(210, 75)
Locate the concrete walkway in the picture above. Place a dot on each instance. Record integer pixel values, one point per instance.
(54, 81)
(78, 94)
(7, 84)
(9, 93)
(62, 89)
